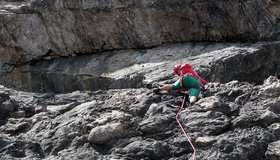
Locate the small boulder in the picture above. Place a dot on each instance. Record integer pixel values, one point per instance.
(105, 133)
(273, 151)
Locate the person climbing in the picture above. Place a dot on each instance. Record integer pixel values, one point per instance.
(181, 70)
(188, 79)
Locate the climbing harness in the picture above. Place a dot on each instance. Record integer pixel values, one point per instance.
(183, 130)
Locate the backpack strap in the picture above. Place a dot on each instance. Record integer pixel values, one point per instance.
(183, 86)
(181, 81)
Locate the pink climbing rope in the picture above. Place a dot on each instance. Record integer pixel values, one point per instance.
(183, 130)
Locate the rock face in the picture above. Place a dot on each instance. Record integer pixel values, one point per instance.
(239, 117)
(32, 29)
(236, 120)
(71, 104)
(134, 69)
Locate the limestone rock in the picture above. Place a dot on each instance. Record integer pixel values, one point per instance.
(81, 75)
(136, 123)
(129, 69)
(102, 134)
(35, 29)
(204, 141)
(273, 151)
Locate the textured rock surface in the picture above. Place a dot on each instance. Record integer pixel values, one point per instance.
(273, 151)
(32, 29)
(236, 120)
(134, 69)
(119, 117)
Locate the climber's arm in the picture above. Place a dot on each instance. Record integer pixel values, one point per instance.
(174, 86)
(166, 88)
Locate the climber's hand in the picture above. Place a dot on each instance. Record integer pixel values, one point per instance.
(156, 90)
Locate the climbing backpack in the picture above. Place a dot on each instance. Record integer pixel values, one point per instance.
(187, 69)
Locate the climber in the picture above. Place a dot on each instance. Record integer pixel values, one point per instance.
(188, 79)
(181, 70)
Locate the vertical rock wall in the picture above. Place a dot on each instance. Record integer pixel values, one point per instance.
(36, 29)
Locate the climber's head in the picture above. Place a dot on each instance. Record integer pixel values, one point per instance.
(176, 69)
